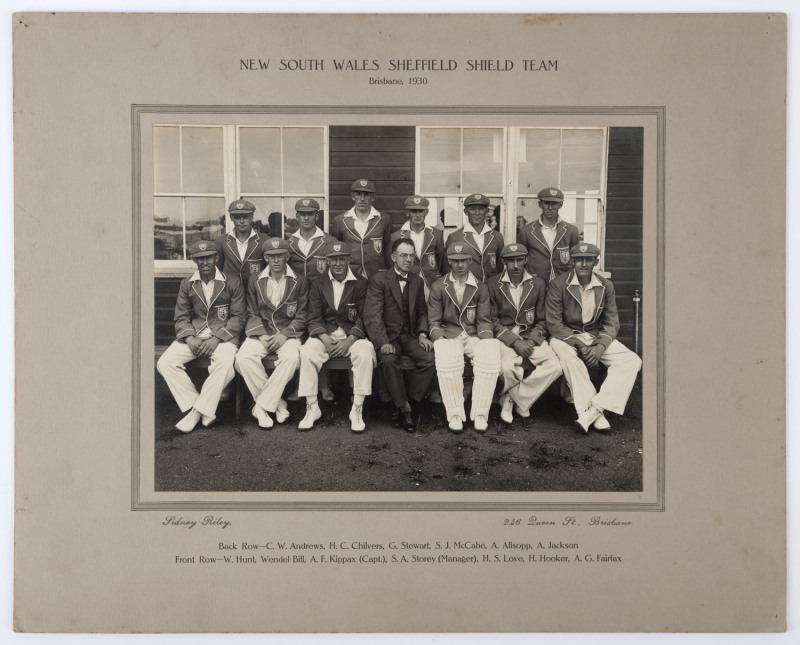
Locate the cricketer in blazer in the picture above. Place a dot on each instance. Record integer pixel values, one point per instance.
(324, 319)
(367, 254)
(433, 263)
(564, 311)
(530, 315)
(543, 262)
(383, 311)
(487, 262)
(288, 318)
(231, 264)
(315, 263)
(447, 319)
(224, 316)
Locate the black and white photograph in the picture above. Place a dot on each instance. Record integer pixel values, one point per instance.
(519, 371)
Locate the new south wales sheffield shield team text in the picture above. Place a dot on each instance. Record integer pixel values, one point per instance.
(524, 314)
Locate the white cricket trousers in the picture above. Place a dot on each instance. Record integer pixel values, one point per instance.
(623, 366)
(485, 355)
(313, 356)
(172, 366)
(267, 390)
(524, 392)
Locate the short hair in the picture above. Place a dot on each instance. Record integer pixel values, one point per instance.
(401, 240)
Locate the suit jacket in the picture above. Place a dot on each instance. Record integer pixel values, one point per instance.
(231, 264)
(383, 311)
(288, 318)
(315, 263)
(433, 264)
(224, 316)
(543, 262)
(565, 310)
(486, 262)
(529, 315)
(367, 254)
(323, 318)
(447, 319)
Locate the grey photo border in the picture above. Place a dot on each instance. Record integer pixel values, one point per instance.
(137, 504)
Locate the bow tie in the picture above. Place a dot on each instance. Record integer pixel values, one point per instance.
(401, 278)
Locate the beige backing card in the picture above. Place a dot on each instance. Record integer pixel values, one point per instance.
(702, 546)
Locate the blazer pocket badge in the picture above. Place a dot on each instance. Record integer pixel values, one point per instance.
(431, 261)
(471, 314)
(377, 244)
(222, 312)
(563, 254)
(322, 265)
(529, 316)
(352, 313)
(493, 261)
(291, 309)
(254, 267)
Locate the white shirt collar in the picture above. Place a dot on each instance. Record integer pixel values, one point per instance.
(266, 273)
(217, 276)
(317, 233)
(525, 276)
(468, 228)
(470, 279)
(372, 213)
(594, 282)
(350, 276)
(558, 221)
(236, 239)
(407, 227)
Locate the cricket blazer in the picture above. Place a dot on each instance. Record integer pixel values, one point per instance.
(383, 311)
(447, 319)
(231, 264)
(543, 262)
(433, 264)
(487, 262)
(530, 315)
(315, 263)
(324, 319)
(224, 316)
(288, 318)
(367, 254)
(565, 310)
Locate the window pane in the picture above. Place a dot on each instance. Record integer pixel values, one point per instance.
(202, 160)
(260, 159)
(303, 169)
(168, 228)
(539, 160)
(205, 218)
(483, 161)
(266, 206)
(166, 160)
(581, 160)
(440, 158)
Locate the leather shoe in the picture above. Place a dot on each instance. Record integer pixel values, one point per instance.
(407, 420)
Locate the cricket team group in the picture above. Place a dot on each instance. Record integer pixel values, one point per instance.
(405, 303)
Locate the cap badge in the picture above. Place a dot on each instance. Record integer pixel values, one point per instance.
(417, 200)
(203, 246)
(337, 247)
(239, 205)
(458, 248)
(583, 248)
(275, 244)
(306, 202)
(513, 247)
(553, 192)
(362, 182)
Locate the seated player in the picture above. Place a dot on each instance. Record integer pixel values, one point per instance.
(518, 312)
(583, 323)
(209, 314)
(397, 324)
(336, 328)
(460, 319)
(277, 304)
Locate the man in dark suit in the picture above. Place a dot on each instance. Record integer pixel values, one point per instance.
(397, 324)
(209, 314)
(277, 302)
(583, 323)
(336, 328)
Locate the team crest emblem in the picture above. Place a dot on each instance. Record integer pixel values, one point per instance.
(362, 182)
(583, 248)
(352, 313)
(291, 309)
(529, 316)
(222, 312)
(431, 260)
(275, 244)
(306, 202)
(337, 247)
(493, 261)
(203, 246)
(417, 200)
(553, 192)
(458, 248)
(239, 205)
(513, 248)
(322, 265)
(254, 267)
(564, 255)
(471, 315)
(377, 243)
